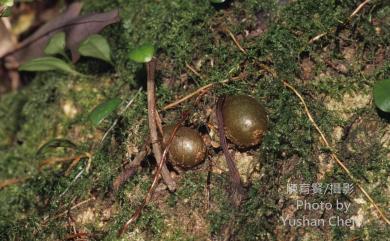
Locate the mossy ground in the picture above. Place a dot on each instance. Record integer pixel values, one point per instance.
(345, 62)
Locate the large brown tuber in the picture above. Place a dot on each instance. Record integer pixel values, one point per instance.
(187, 148)
(245, 120)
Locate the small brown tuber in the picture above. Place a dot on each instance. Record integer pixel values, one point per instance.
(187, 149)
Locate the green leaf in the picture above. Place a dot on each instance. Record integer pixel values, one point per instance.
(96, 46)
(103, 110)
(143, 53)
(217, 1)
(7, 3)
(54, 143)
(56, 44)
(47, 64)
(382, 95)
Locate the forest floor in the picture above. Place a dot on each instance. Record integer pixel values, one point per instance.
(331, 58)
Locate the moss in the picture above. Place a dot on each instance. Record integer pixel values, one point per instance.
(194, 32)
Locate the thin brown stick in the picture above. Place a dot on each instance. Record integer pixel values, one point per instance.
(152, 187)
(12, 181)
(358, 8)
(317, 37)
(194, 71)
(189, 96)
(129, 170)
(197, 92)
(267, 68)
(238, 189)
(151, 89)
(208, 184)
(47, 219)
(72, 165)
(54, 160)
(236, 41)
(334, 156)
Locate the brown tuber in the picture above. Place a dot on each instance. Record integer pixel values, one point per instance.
(245, 120)
(187, 148)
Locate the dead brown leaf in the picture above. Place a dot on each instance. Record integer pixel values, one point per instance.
(77, 29)
(84, 26)
(33, 46)
(7, 40)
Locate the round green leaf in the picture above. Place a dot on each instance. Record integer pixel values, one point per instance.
(47, 64)
(382, 95)
(143, 53)
(96, 46)
(103, 110)
(56, 44)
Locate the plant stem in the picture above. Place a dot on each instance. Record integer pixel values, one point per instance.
(151, 89)
(238, 194)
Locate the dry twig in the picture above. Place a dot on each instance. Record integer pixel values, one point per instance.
(75, 160)
(73, 164)
(236, 41)
(317, 37)
(12, 181)
(267, 68)
(194, 71)
(152, 187)
(358, 8)
(54, 160)
(129, 170)
(197, 92)
(189, 96)
(47, 219)
(334, 156)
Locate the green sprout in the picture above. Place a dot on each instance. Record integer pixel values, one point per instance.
(143, 53)
(382, 95)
